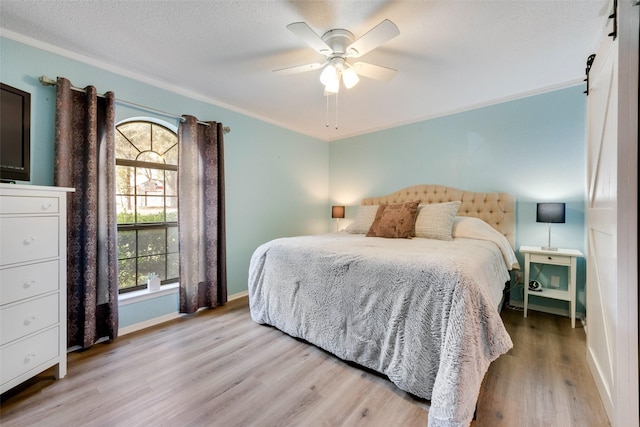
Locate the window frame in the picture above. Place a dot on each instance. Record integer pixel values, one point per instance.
(141, 226)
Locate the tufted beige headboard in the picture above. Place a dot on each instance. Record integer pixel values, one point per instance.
(497, 209)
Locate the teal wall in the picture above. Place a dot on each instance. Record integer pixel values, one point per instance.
(281, 183)
(533, 148)
(142, 311)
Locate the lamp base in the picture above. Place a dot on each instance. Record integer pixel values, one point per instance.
(547, 248)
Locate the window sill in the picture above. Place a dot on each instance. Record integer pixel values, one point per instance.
(143, 295)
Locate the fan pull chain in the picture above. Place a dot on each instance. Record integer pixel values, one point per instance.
(336, 111)
(327, 116)
(327, 95)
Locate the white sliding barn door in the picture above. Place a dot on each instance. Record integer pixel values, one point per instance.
(611, 221)
(600, 220)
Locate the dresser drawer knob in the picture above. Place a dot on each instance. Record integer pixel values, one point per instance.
(28, 284)
(29, 320)
(29, 357)
(46, 206)
(28, 240)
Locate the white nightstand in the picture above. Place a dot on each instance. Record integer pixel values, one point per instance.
(566, 257)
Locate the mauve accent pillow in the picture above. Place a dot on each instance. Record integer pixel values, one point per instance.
(435, 221)
(394, 221)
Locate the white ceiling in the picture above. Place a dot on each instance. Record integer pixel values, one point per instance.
(450, 55)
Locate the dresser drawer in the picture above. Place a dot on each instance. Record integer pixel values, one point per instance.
(28, 281)
(551, 259)
(28, 205)
(27, 354)
(28, 239)
(19, 320)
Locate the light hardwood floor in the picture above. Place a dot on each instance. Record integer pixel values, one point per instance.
(219, 368)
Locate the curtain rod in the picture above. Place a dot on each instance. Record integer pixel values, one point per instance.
(46, 81)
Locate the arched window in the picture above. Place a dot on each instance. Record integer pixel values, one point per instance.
(146, 203)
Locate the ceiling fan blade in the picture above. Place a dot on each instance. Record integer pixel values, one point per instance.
(302, 30)
(378, 35)
(376, 72)
(300, 68)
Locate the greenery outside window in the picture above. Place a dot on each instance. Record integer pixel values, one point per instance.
(146, 204)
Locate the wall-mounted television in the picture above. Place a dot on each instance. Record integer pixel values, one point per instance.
(15, 134)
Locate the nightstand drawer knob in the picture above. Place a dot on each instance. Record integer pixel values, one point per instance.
(28, 240)
(28, 357)
(28, 284)
(549, 258)
(46, 206)
(29, 320)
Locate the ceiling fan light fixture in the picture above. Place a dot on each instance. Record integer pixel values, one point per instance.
(330, 76)
(337, 45)
(350, 77)
(332, 87)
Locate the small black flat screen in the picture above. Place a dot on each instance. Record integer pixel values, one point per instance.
(15, 143)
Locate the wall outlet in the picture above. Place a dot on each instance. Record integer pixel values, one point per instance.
(555, 281)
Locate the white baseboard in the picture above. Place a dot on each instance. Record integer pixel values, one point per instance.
(165, 318)
(147, 323)
(238, 295)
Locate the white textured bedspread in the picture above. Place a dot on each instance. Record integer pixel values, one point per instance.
(420, 311)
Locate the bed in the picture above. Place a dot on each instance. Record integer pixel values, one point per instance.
(421, 308)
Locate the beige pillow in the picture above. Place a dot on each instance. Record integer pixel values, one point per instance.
(394, 221)
(435, 221)
(364, 219)
(475, 228)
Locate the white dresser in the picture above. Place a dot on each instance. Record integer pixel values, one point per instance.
(33, 277)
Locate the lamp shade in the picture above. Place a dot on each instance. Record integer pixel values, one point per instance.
(330, 76)
(550, 213)
(333, 87)
(350, 78)
(337, 212)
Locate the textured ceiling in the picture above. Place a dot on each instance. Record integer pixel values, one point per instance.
(450, 55)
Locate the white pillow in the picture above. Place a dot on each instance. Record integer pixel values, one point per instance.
(364, 218)
(435, 221)
(475, 228)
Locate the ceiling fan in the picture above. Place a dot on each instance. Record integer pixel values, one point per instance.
(338, 46)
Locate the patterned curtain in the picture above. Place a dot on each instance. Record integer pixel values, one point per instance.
(85, 160)
(201, 215)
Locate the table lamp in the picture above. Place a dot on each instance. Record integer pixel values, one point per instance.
(337, 212)
(550, 213)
